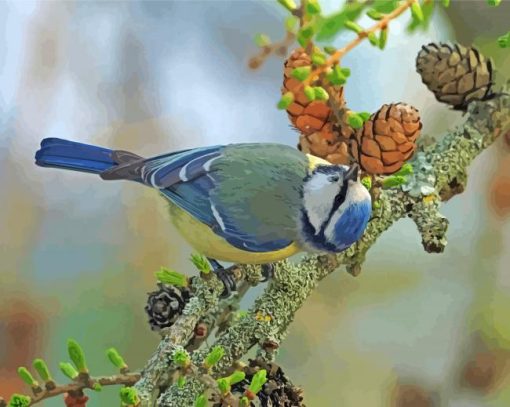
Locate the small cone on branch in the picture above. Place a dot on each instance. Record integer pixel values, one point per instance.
(321, 135)
(455, 74)
(384, 143)
(387, 139)
(278, 391)
(165, 305)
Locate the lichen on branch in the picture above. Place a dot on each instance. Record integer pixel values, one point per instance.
(447, 161)
(433, 175)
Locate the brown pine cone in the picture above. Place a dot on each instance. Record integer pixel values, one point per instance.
(314, 119)
(455, 74)
(387, 139)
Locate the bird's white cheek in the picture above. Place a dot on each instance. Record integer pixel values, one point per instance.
(329, 232)
(317, 205)
(316, 215)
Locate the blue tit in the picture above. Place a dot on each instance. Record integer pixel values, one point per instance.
(241, 203)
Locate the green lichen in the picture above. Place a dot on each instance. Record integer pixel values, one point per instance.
(422, 180)
(274, 310)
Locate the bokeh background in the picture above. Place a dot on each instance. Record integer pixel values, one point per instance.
(78, 255)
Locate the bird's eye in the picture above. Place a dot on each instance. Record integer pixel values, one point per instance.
(333, 178)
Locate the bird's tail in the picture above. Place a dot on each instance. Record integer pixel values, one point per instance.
(71, 155)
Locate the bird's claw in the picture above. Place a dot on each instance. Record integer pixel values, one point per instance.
(228, 280)
(267, 272)
(226, 277)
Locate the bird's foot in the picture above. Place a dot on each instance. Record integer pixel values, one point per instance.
(225, 276)
(267, 272)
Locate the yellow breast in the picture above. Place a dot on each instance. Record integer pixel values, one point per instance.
(208, 243)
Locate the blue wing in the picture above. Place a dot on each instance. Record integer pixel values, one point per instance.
(188, 179)
(168, 170)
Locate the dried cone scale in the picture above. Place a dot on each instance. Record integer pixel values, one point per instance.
(455, 74)
(384, 143)
(313, 119)
(387, 139)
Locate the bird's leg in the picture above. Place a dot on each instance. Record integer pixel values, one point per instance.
(267, 272)
(225, 277)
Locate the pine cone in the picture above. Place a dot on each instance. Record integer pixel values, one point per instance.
(165, 305)
(278, 391)
(314, 119)
(455, 74)
(388, 139)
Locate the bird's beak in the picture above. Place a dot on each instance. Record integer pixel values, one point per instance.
(352, 173)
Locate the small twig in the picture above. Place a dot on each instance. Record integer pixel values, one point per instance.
(205, 301)
(281, 47)
(78, 385)
(220, 319)
(278, 48)
(336, 57)
(431, 224)
(273, 312)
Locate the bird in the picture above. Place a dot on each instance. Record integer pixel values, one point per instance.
(248, 203)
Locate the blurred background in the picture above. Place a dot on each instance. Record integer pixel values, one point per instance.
(78, 255)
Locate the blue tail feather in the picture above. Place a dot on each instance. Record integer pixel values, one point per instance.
(71, 155)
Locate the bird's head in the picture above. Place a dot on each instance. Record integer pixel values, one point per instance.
(336, 208)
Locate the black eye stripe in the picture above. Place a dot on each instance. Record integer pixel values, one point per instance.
(339, 200)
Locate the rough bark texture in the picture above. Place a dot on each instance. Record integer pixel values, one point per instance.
(439, 173)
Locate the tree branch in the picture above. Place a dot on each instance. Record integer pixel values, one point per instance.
(82, 383)
(206, 300)
(279, 48)
(438, 167)
(337, 56)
